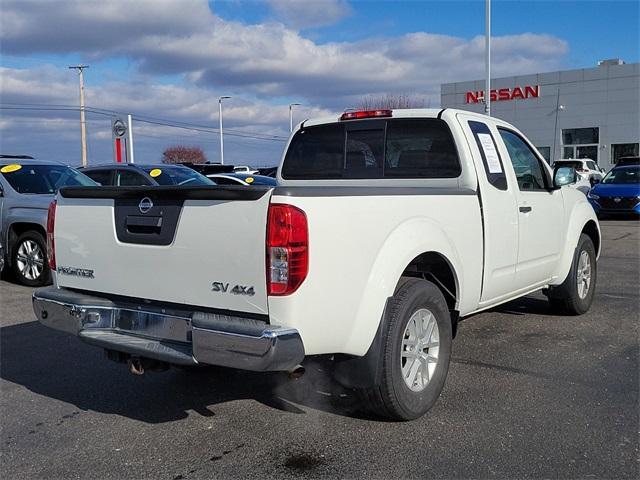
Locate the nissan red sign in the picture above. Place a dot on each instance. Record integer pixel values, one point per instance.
(505, 94)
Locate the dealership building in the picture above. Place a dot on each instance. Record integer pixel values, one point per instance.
(586, 113)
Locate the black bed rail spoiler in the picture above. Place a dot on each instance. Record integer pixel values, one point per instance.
(186, 192)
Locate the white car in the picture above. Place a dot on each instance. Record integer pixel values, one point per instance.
(585, 167)
(245, 169)
(386, 228)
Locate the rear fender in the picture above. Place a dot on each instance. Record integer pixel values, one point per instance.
(409, 240)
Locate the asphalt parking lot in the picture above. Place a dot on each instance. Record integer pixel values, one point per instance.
(529, 394)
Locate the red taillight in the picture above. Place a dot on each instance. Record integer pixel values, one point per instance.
(51, 246)
(365, 114)
(287, 249)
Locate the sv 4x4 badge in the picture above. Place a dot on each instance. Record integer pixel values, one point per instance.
(236, 290)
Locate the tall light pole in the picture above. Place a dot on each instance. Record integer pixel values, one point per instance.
(555, 128)
(487, 57)
(83, 125)
(221, 134)
(291, 105)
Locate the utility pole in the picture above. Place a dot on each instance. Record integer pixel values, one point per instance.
(487, 57)
(221, 134)
(291, 105)
(83, 124)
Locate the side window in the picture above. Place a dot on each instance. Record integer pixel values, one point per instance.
(525, 163)
(420, 148)
(128, 178)
(493, 165)
(103, 177)
(592, 166)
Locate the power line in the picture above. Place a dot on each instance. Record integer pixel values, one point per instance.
(144, 119)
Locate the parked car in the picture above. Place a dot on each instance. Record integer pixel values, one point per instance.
(1, 257)
(242, 179)
(27, 187)
(129, 174)
(586, 168)
(624, 161)
(244, 169)
(618, 193)
(385, 228)
(209, 168)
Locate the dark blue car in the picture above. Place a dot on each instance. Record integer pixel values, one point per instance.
(619, 192)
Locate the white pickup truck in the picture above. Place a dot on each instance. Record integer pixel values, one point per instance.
(385, 229)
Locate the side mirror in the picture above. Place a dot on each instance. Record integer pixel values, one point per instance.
(564, 176)
(594, 181)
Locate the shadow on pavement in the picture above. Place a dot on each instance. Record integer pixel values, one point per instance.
(61, 367)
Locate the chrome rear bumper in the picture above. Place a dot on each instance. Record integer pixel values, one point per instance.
(169, 335)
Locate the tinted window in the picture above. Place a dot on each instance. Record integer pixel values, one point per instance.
(415, 148)
(494, 171)
(592, 166)
(623, 175)
(172, 175)
(130, 178)
(45, 179)
(226, 181)
(316, 152)
(525, 163)
(420, 149)
(103, 177)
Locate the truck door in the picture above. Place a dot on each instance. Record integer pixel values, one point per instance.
(540, 211)
(499, 209)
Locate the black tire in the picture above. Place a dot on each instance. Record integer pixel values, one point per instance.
(565, 298)
(27, 277)
(393, 399)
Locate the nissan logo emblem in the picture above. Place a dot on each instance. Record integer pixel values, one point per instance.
(145, 205)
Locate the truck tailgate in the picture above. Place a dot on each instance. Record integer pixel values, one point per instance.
(200, 246)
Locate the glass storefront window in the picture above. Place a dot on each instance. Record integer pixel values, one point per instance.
(587, 151)
(623, 150)
(567, 152)
(545, 152)
(576, 136)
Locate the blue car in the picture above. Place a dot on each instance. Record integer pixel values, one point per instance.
(619, 192)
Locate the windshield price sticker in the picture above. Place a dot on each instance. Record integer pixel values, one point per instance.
(10, 168)
(490, 153)
(156, 172)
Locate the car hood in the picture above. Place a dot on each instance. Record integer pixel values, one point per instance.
(617, 189)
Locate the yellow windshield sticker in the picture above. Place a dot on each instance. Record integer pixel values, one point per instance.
(249, 179)
(14, 167)
(155, 172)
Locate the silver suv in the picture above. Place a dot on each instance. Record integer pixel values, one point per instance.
(27, 187)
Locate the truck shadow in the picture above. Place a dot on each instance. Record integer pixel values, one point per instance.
(59, 366)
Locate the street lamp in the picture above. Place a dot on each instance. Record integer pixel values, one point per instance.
(291, 105)
(221, 134)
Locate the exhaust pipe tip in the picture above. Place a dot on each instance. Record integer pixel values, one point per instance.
(296, 372)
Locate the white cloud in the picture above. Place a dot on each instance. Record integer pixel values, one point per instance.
(310, 13)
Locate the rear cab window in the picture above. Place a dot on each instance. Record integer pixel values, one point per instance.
(373, 149)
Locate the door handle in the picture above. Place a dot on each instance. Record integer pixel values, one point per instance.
(525, 209)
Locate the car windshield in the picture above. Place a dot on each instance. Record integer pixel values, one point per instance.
(172, 175)
(43, 179)
(623, 175)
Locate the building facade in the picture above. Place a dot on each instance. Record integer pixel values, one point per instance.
(586, 113)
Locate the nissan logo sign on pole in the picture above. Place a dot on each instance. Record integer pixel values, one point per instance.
(118, 130)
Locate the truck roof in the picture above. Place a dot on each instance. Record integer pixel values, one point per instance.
(399, 113)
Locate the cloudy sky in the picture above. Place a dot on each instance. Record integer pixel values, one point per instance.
(167, 61)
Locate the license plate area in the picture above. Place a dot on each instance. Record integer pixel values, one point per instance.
(154, 325)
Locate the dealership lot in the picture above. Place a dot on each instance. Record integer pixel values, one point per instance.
(528, 395)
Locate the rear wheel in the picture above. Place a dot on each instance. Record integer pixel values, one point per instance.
(29, 260)
(415, 354)
(575, 295)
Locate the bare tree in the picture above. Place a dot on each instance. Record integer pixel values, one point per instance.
(182, 153)
(390, 101)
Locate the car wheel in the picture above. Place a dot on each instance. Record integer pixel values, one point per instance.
(575, 295)
(415, 355)
(29, 260)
